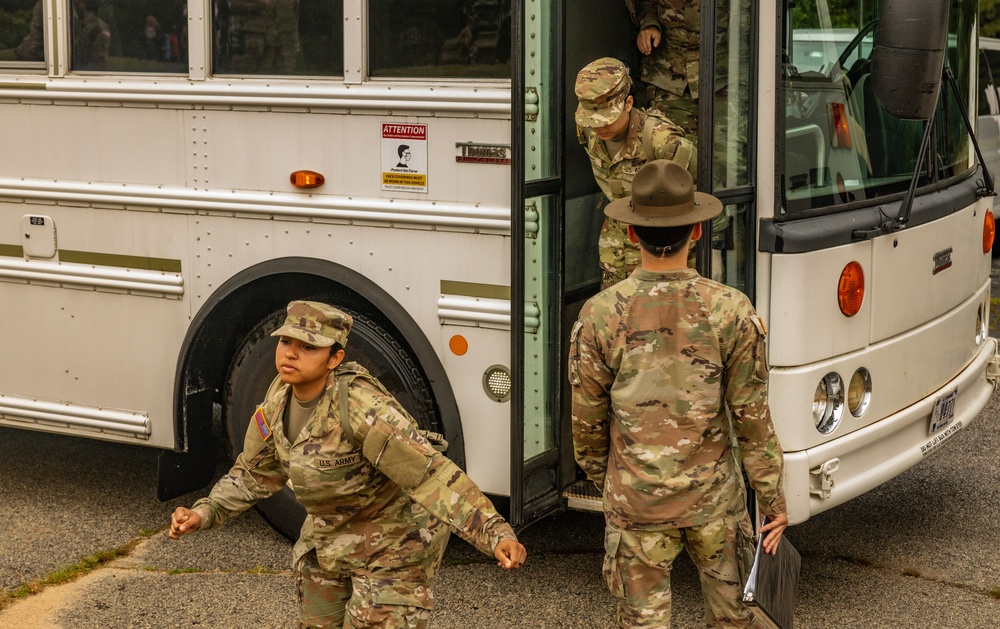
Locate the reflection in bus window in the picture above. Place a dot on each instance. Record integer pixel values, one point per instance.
(278, 37)
(841, 146)
(21, 31)
(147, 36)
(441, 39)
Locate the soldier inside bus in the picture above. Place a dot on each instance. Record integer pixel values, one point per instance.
(619, 139)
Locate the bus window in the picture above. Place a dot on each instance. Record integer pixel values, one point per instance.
(278, 37)
(148, 37)
(462, 39)
(22, 39)
(841, 146)
(732, 69)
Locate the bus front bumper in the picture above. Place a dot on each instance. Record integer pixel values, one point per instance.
(823, 477)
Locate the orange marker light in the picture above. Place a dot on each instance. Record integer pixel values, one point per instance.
(459, 346)
(307, 179)
(989, 232)
(851, 290)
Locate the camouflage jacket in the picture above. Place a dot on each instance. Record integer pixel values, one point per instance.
(656, 362)
(365, 507)
(614, 173)
(674, 65)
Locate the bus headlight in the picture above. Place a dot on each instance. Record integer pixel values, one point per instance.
(859, 392)
(828, 403)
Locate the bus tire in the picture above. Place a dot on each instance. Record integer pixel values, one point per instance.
(253, 369)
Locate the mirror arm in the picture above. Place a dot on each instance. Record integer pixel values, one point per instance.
(990, 189)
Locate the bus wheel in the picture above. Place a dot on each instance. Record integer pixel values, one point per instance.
(253, 369)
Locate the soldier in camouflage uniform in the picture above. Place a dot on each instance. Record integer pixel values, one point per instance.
(619, 139)
(379, 498)
(666, 367)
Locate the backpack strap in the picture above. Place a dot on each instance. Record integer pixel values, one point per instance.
(647, 137)
(344, 380)
(343, 384)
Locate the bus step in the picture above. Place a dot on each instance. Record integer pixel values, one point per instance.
(583, 496)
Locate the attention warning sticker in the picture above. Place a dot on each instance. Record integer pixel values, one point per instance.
(404, 157)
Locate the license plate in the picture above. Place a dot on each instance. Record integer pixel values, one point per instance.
(944, 411)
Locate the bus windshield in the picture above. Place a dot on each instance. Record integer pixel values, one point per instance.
(841, 147)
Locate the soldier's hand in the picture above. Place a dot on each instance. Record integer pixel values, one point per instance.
(776, 525)
(510, 554)
(648, 39)
(183, 521)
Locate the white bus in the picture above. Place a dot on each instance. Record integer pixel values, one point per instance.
(173, 172)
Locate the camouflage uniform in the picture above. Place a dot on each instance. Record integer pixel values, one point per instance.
(602, 88)
(268, 32)
(91, 37)
(379, 506)
(658, 364)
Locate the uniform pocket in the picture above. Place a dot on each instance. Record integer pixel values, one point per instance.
(612, 564)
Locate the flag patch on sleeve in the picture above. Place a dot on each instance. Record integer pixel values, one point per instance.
(265, 430)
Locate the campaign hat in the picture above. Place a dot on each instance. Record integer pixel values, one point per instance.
(663, 195)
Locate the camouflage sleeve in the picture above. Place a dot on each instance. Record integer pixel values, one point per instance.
(746, 396)
(591, 379)
(394, 445)
(253, 477)
(669, 143)
(648, 15)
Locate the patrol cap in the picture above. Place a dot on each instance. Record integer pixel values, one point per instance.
(315, 323)
(602, 87)
(663, 195)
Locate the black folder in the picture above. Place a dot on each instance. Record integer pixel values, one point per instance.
(771, 586)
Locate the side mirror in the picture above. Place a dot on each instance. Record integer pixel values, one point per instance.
(910, 45)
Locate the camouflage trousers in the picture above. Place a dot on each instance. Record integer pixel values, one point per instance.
(637, 567)
(364, 598)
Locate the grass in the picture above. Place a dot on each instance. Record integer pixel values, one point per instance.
(184, 570)
(66, 574)
(994, 592)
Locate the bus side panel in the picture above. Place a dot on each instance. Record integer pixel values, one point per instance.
(348, 150)
(100, 333)
(94, 143)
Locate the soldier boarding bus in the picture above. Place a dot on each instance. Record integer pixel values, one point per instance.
(174, 173)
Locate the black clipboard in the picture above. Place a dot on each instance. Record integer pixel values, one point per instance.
(771, 587)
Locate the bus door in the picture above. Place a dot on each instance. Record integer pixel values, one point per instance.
(537, 203)
(555, 263)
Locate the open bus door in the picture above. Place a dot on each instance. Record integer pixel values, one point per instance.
(555, 226)
(554, 250)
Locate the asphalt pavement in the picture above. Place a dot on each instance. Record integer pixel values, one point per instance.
(919, 551)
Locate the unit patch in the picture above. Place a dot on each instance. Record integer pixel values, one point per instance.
(265, 430)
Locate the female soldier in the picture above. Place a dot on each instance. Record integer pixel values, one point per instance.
(379, 502)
